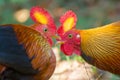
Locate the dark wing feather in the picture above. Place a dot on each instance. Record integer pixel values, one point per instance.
(87, 58)
(12, 54)
(10, 74)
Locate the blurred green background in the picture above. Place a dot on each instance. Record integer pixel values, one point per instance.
(90, 13)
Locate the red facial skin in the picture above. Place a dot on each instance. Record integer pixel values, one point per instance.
(71, 43)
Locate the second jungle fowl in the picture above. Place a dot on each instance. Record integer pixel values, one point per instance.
(98, 46)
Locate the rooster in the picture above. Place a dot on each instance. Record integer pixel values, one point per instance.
(26, 53)
(98, 46)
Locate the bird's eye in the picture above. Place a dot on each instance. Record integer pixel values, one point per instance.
(45, 29)
(70, 35)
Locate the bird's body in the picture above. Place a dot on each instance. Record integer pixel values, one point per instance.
(98, 46)
(38, 51)
(102, 44)
(44, 24)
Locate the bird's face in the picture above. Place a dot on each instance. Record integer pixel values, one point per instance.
(47, 31)
(70, 43)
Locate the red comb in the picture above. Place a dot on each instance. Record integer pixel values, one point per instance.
(63, 18)
(45, 13)
(68, 14)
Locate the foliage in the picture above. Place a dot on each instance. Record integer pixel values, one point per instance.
(91, 13)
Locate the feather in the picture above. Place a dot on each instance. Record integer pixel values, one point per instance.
(35, 44)
(10, 74)
(13, 54)
(103, 45)
(37, 50)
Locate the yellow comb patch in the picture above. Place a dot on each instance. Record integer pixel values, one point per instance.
(40, 18)
(68, 24)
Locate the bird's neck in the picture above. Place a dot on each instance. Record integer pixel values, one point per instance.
(50, 41)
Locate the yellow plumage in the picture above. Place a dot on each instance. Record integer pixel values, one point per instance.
(103, 45)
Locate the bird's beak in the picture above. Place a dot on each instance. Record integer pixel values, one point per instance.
(56, 37)
(59, 43)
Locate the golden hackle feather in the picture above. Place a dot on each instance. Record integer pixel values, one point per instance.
(103, 45)
(38, 50)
